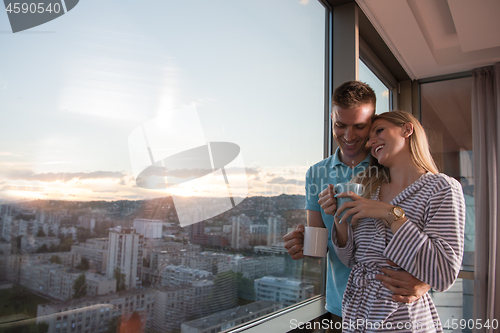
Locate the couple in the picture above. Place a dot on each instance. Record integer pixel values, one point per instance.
(406, 233)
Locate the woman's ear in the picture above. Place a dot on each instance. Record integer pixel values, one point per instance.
(407, 130)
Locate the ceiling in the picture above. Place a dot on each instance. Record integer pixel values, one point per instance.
(437, 37)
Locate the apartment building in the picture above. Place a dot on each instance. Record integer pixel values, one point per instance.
(31, 244)
(57, 281)
(92, 314)
(176, 304)
(276, 230)
(240, 232)
(95, 250)
(178, 275)
(253, 268)
(125, 252)
(10, 265)
(151, 229)
(284, 290)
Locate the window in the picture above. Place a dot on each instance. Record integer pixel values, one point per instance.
(253, 72)
(381, 90)
(446, 115)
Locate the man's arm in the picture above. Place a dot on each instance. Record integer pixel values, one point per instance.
(294, 240)
(405, 287)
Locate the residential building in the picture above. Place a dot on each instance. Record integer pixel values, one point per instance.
(68, 259)
(5, 248)
(284, 290)
(149, 228)
(87, 222)
(95, 250)
(177, 275)
(10, 265)
(93, 313)
(57, 281)
(240, 232)
(258, 234)
(6, 223)
(253, 268)
(175, 305)
(31, 244)
(68, 231)
(99, 285)
(207, 261)
(276, 229)
(125, 250)
(277, 248)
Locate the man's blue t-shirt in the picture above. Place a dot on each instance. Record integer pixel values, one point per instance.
(331, 171)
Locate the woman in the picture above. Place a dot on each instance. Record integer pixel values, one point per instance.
(414, 218)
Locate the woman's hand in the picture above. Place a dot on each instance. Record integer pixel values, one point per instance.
(361, 207)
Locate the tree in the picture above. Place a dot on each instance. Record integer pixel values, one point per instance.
(83, 234)
(18, 242)
(42, 327)
(19, 296)
(80, 286)
(246, 288)
(42, 249)
(114, 324)
(53, 248)
(40, 233)
(83, 265)
(224, 292)
(120, 279)
(65, 246)
(55, 259)
(52, 234)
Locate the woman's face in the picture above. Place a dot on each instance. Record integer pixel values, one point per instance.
(388, 142)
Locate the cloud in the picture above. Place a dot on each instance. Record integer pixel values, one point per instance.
(304, 2)
(251, 171)
(133, 196)
(64, 176)
(23, 188)
(281, 180)
(8, 153)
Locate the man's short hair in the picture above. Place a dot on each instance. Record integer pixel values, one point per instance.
(352, 94)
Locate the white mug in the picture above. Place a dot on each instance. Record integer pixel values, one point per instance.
(315, 242)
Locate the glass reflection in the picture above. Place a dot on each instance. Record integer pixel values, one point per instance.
(85, 249)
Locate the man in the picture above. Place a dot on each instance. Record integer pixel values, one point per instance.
(353, 110)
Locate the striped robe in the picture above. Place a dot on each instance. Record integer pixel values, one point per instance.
(429, 246)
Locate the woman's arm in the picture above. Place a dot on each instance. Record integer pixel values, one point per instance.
(434, 254)
(341, 232)
(343, 242)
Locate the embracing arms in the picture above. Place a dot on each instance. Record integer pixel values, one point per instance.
(430, 246)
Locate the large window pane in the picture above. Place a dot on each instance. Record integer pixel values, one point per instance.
(446, 115)
(381, 90)
(113, 113)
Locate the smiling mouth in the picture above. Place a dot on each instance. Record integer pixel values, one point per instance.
(350, 144)
(378, 148)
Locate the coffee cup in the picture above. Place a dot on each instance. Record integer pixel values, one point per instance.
(315, 241)
(347, 187)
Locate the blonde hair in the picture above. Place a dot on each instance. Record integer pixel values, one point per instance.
(419, 151)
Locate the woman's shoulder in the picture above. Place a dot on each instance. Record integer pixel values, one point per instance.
(441, 181)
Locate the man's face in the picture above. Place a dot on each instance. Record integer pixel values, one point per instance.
(351, 128)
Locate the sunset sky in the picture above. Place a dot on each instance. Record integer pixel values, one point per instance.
(73, 90)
